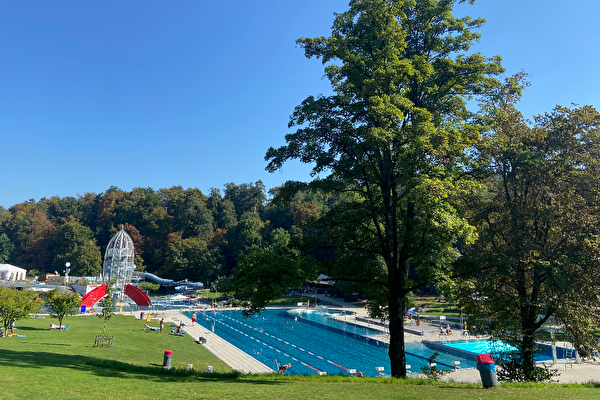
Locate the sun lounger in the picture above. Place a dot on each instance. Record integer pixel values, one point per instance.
(152, 328)
(52, 326)
(178, 333)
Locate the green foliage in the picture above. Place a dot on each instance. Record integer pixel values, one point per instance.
(223, 285)
(431, 371)
(513, 368)
(537, 223)
(76, 244)
(149, 286)
(246, 198)
(61, 304)
(32, 273)
(16, 304)
(192, 259)
(392, 141)
(6, 248)
(262, 275)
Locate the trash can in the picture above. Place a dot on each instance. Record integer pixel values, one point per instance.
(487, 370)
(167, 360)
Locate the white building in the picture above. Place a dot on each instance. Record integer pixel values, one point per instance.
(11, 273)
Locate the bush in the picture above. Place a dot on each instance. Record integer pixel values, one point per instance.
(511, 368)
(432, 372)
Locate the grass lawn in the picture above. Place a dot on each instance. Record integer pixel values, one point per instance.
(51, 364)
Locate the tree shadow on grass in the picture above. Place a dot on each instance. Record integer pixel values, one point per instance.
(115, 369)
(31, 328)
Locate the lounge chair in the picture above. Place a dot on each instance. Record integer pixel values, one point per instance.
(152, 328)
(52, 326)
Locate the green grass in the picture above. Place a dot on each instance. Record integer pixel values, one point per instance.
(53, 364)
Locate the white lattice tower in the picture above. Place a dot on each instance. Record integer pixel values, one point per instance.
(119, 262)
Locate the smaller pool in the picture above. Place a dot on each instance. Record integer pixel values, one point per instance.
(473, 347)
(482, 346)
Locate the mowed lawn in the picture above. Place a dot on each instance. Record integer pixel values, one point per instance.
(52, 364)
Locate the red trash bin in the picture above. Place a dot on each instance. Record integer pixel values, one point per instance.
(167, 360)
(487, 370)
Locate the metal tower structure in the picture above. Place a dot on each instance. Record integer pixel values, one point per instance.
(118, 262)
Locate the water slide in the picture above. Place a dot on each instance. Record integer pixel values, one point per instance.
(156, 279)
(133, 292)
(171, 282)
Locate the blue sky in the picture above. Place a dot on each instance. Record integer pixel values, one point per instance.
(192, 93)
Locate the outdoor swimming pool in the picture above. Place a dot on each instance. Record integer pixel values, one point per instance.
(496, 348)
(315, 342)
(482, 346)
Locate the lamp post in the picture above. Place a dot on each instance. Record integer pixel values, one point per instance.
(67, 269)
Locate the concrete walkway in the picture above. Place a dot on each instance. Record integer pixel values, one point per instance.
(226, 352)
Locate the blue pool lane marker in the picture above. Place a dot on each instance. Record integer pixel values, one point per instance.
(279, 351)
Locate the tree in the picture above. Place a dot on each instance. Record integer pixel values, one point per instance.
(247, 197)
(192, 259)
(16, 304)
(393, 138)
(61, 304)
(196, 219)
(77, 245)
(6, 248)
(149, 286)
(538, 224)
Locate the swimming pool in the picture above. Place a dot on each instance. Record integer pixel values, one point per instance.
(544, 352)
(315, 342)
(482, 346)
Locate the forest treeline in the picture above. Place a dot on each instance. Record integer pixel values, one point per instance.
(177, 233)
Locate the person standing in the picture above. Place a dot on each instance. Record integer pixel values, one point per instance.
(193, 319)
(162, 324)
(12, 326)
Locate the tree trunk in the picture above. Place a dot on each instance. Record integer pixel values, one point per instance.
(528, 352)
(396, 349)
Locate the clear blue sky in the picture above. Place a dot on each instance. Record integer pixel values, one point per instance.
(192, 93)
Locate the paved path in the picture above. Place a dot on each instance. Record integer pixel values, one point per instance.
(229, 354)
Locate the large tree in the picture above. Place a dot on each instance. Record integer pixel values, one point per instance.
(16, 304)
(539, 238)
(393, 138)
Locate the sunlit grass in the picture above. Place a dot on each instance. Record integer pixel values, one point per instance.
(52, 364)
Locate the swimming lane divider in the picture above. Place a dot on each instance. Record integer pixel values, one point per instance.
(281, 340)
(271, 347)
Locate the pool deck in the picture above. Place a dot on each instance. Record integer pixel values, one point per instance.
(587, 371)
(229, 354)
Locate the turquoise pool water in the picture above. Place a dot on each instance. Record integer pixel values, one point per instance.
(315, 342)
(482, 346)
(496, 348)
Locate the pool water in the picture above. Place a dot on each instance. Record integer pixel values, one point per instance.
(482, 346)
(498, 347)
(315, 342)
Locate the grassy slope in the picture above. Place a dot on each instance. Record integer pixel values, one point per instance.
(64, 364)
